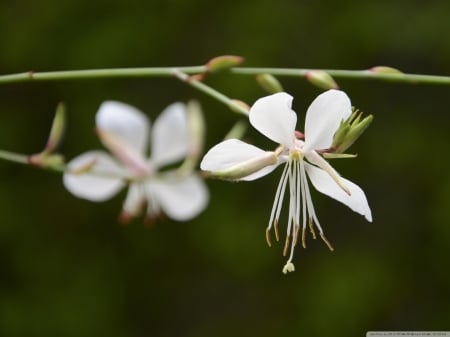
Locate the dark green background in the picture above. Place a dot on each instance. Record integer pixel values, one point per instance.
(67, 268)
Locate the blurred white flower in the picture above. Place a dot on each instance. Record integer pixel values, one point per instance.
(125, 132)
(273, 117)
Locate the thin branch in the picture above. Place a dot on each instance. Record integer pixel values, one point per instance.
(350, 74)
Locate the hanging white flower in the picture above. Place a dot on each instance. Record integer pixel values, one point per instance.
(273, 117)
(125, 132)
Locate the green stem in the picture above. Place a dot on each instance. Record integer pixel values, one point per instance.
(232, 104)
(97, 73)
(350, 74)
(14, 157)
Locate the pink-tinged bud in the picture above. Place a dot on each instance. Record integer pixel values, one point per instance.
(223, 62)
(384, 70)
(269, 83)
(321, 79)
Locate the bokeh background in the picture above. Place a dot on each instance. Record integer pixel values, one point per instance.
(67, 268)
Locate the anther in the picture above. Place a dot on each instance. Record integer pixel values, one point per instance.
(268, 237)
(296, 230)
(330, 247)
(311, 228)
(275, 226)
(303, 237)
(286, 245)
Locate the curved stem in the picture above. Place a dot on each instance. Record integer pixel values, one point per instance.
(232, 104)
(350, 74)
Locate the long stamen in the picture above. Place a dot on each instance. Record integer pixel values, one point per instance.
(316, 159)
(313, 217)
(291, 207)
(284, 178)
(276, 205)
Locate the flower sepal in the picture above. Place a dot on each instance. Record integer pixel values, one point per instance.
(349, 131)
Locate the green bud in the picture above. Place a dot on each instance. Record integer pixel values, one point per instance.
(196, 127)
(321, 79)
(385, 70)
(269, 83)
(223, 62)
(196, 124)
(57, 130)
(349, 131)
(237, 131)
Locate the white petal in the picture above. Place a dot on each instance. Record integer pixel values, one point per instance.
(356, 201)
(180, 198)
(233, 153)
(170, 135)
(95, 176)
(323, 118)
(273, 117)
(125, 123)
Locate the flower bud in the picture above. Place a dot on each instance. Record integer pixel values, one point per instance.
(321, 79)
(57, 130)
(384, 70)
(237, 131)
(239, 106)
(196, 128)
(223, 62)
(269, 83)
(349, 131)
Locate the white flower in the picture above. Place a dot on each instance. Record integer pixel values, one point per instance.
(125, 131)
(273, 117)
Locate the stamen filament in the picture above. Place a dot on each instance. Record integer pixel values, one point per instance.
(276, 208)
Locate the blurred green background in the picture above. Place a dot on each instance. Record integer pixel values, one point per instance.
(67, 268)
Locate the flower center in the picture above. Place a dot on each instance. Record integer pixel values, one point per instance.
(301, 209)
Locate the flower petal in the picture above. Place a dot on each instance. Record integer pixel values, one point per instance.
(323, 118)
(273, 117)
(234, 154)
(125, 123)
(94, 176)
(356, 201)
(135, 200)
(181, 198)
(170, 135)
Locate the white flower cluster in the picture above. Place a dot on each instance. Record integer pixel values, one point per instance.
(181, 195)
